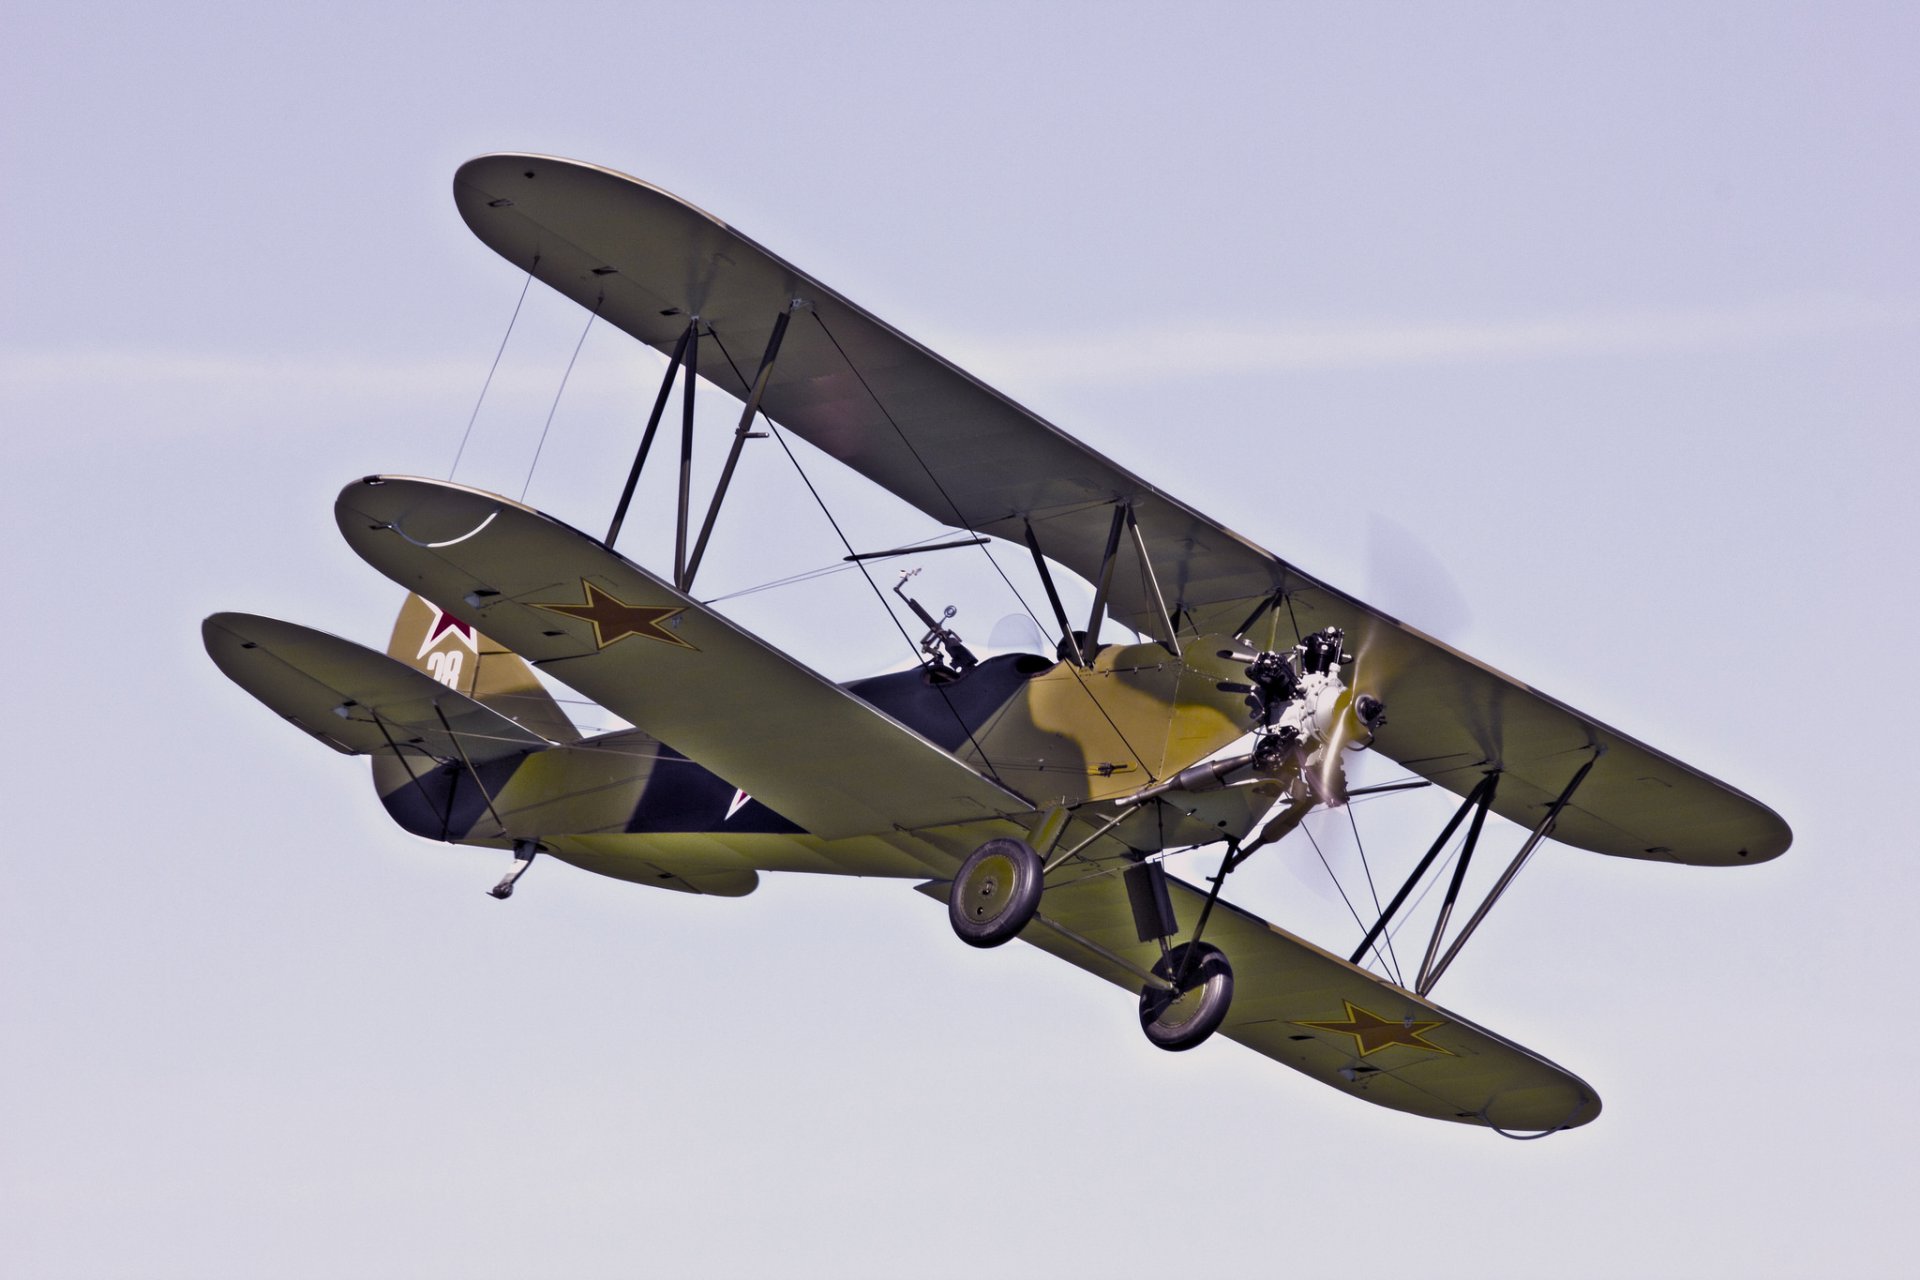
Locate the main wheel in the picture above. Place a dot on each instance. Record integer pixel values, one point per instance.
(996, 892)
(1181, 1020)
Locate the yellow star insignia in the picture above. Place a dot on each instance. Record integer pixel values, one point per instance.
(614, 619)
(1372, 1032)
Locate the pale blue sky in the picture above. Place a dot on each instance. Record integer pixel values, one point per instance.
(1610, 309)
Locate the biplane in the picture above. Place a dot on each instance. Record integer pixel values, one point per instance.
(1038, 794)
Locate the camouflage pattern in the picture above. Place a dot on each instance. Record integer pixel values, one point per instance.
(626, 805)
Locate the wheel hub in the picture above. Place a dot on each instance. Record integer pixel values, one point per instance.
(988, 889)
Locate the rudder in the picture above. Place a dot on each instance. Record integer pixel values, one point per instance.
(429, 639)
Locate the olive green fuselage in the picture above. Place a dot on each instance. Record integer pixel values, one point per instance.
(1062, 735)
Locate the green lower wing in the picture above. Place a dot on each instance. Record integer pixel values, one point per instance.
(1418, 1057)
(786, 735)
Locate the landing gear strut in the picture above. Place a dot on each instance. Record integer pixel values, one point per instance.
(1194, 986)
(995, 893)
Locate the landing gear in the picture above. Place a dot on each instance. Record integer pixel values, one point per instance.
(995, 893)
(1180, 1018)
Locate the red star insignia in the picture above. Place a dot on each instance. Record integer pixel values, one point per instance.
(614, 619)
(1372, 1032)
(445, 624)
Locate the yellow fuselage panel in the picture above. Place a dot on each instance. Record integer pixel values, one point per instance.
(1137, 715)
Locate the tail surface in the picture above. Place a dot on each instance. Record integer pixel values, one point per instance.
(429, 639)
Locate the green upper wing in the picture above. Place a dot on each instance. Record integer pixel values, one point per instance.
(788, 736)
(967, 455)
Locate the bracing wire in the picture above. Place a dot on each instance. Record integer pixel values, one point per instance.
(1438, 874)
(964, 523)
(493, 368)
(792, 579)
(558, 392)
(1367, 866)
(824, 571)
(879, 595)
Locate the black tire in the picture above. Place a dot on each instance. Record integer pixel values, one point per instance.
(995, 892)
(1177, 1021)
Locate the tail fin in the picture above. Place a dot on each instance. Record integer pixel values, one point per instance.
(434, 641)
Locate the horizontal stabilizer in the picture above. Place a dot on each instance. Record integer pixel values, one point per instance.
(353, 699)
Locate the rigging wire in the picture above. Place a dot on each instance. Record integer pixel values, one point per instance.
(1368, 868)
(780, 437)
(792, 579)
(560, 391)
(493, 368)
(824, 571)
(1343, 894)
(968, 525)
(1439, 874)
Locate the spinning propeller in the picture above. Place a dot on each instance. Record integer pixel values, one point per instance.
(1405, 575)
